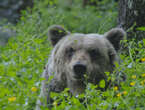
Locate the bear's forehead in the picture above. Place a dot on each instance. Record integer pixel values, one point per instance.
(85, 40)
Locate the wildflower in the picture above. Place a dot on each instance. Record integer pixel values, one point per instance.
(33, 89)
(133, 76)
(119, 94)
(11, 99)
(132, 83)
(115, 88)
(55, 103)
(142, 82)
(143, 60)
(143, 75)
(124, 92)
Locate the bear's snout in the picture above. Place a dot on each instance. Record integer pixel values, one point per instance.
(79, 69)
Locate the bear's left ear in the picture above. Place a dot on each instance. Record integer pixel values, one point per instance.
(115, 36)
(55, 33)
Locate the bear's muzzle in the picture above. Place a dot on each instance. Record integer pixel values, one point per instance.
(79, 70)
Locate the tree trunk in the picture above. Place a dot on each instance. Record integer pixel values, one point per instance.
(132, 16)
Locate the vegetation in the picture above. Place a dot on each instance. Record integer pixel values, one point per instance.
(22, 60)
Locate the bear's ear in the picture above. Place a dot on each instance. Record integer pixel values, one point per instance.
(55, 33)
(115, 36)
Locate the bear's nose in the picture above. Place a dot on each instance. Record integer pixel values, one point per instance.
(79, 69)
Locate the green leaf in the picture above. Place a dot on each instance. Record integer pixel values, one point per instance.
(141, 28)
(102, 84)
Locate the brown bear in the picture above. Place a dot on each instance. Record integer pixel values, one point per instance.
(76, 56)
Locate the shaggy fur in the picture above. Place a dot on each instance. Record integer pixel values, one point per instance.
(77, 54)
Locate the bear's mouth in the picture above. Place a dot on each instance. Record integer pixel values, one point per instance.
(79, 70)
(80, 76)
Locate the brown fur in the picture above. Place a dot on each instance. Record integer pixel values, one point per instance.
(95, 53)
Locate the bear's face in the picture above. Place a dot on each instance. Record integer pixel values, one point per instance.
(79, 55)
(86, 54)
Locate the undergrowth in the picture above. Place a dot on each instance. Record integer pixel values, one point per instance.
(22, 60)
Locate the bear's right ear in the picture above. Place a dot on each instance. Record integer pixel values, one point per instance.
(55, 33)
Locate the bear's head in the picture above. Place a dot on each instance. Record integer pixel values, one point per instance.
(77, 56)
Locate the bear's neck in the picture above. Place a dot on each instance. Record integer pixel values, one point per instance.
(76, 87)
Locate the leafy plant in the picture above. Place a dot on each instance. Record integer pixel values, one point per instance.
(22, 60)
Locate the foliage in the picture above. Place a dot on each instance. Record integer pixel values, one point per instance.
(22, 60)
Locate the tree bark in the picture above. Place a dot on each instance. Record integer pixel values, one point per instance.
(132, 16)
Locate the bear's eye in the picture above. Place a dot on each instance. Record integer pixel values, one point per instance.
(70, 52)
(94, 54)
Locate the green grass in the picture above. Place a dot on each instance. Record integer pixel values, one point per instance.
(22, 60)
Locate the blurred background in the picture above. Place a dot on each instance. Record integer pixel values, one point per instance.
(9, 15)
(12, 10)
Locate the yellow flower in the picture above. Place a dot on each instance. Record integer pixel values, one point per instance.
(124, 92)
(115, 88)
(143, 75)
(132, 83)
(119, 94)
(34, 89)
(11, 99)
(55, 103)
(142, 82)
(133, 76)
(143, 60)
